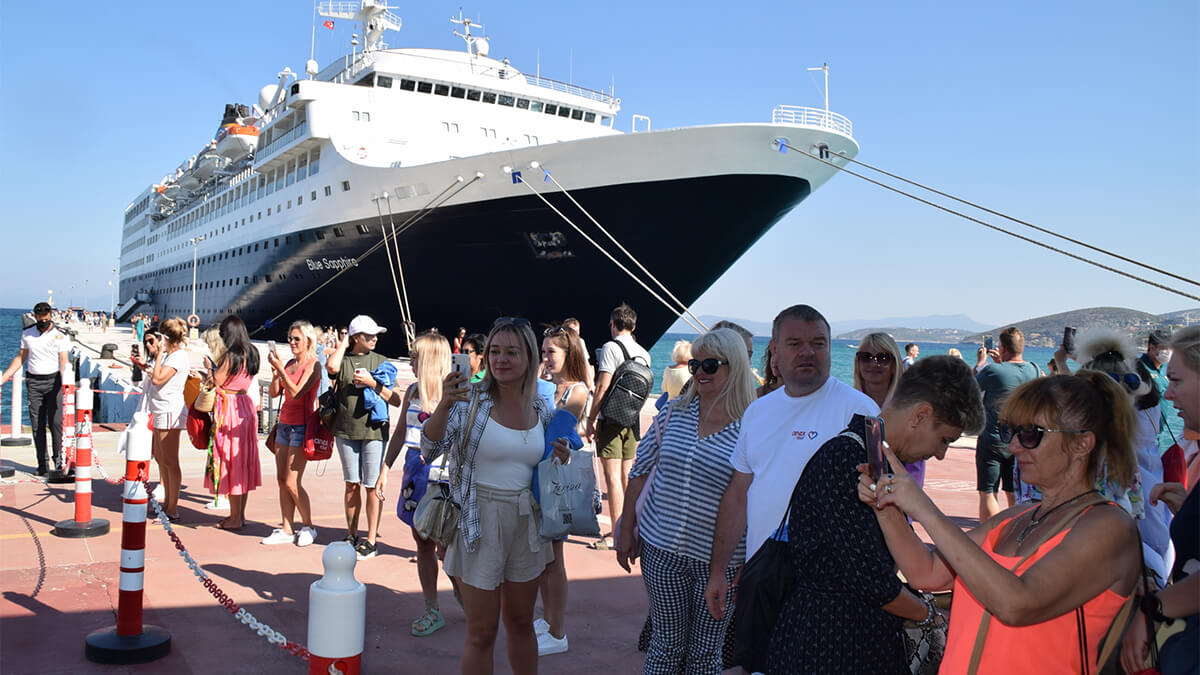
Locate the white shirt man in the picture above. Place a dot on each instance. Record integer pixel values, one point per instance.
(43, 352)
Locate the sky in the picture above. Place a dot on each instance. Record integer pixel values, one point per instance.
(1081, 118)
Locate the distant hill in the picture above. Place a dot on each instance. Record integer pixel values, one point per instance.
(762, 328)
(902, 334)
(958, 322)
(1046, 331)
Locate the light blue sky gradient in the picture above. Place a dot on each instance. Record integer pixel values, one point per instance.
(1080, 117)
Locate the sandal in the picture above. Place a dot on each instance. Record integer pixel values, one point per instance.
(604, 543)
(429, 623)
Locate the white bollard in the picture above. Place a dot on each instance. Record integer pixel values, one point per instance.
(16, 435)
(337, 614)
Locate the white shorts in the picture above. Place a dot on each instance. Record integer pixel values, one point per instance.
(169, 421)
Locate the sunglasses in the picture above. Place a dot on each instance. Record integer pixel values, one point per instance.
(707, 365)
(1031, 436)
(469, 351)
(1130, 380)
(554, 330)
(882, 358)
(518, 321)
(293, 339)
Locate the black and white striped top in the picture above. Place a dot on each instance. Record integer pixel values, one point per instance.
(680, 514)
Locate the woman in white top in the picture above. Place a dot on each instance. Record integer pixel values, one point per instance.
(677, 375)
(495, 437)
(566, 363)
(168, 409)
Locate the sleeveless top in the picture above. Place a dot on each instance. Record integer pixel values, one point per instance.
(414, 419)
(295, 411)
(1048, 647)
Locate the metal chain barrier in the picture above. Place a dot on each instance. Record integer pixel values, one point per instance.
(104, 474)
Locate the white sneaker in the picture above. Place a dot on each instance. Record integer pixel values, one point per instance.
(278, 536)
(159, 493)
(541, 626)
(306, 536)
(217, 504)
(548, 644)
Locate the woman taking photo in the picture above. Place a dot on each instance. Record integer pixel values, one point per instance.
(566, 364)
(234, 469)
(430, 362)
(876, 374)
(846, 613)
(298, 382)
(167, 407)
(698, 433)
(496, 553)
(1021, 604)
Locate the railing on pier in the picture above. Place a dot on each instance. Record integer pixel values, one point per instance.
(280, 142)
(812, 117)
(565, 88)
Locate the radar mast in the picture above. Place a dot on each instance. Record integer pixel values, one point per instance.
(374, 15)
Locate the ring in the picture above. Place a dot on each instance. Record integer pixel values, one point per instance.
(888, 489)
(873, 487)
(891, 477)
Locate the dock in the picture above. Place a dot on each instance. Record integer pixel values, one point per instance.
(58, 590)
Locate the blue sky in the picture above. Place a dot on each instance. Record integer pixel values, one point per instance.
(1079, 117)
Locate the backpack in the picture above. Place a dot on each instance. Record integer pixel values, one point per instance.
(631, 384)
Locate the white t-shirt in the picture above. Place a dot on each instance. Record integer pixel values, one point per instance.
(168, 397)
(779, 435)
(610, 355)
(43, 349)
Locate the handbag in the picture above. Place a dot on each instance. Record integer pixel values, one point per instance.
(565, 492)
(437, 515)
(199, 428)
(320, 445)
(327, 406)
(924, 651)
(206, 399)
(191, 389)
(272, 444)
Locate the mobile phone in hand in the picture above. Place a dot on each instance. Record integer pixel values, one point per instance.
(461, 364)
(874, 442)
(135, 350)
(987, 343)
(1068, 341)
(270, 347)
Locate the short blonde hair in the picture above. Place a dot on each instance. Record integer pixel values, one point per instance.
(738, 392)
(682, 353)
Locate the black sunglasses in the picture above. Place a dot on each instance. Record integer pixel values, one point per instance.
(707, 365)
(881, 358)
(1130, 380)
(554, 330)
(1031, 436)
(518, 321)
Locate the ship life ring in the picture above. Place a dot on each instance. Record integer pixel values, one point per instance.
(193, 320)
(362, 153)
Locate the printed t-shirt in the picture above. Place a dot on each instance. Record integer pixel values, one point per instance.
(353, 420)
(43, 349)
(780, 433)
(996, 381)
(168, 397)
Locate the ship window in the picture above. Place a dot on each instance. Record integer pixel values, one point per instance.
(383, 81)
(366, 117)
(366, 81)
(424, 87)
(363, 229)
(505, 100)
(408, 85)
(337, 232)
(458, 92)
(314, 161)
(589, 117)
(489, 97)
(289, 203)
(268, 210)
(299, 200)
(345, 186)
(314, 195)
(286, 240)
(564, 111)
(320, 234)
(536, 106)
(256, 246)
(442, 90)
(260, 214)
(577, 114)
(265, 243)
(551, 108)
(523, 103)
(267, 278)
(328, 191)
(355, 115)
(278, 207)
(301, 236)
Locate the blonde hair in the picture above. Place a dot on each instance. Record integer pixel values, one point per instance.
(216, 345)
(884, 343)
(433, 364)
(682, 351)
(174, 330)
(310, 335)
(738, 392)
(1186, 343)
(529, 345)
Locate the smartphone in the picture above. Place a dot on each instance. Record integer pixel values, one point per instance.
(1068, 341)
(874, 443)
(135, 350)
(987, 343)
(270, 346)
(361, 371)
(461, 363)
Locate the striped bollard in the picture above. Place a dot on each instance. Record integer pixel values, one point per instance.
(337, 614)
(61, 474)
(83, 525)
(130, 641)
(16, 437)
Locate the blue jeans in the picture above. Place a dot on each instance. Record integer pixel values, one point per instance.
(361, 461)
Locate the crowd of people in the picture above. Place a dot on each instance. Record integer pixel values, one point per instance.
(735, 470)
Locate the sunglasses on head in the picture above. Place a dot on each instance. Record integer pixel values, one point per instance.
(518, 321)
(1030, 436)
(554, 330)
(882, 358)
(1130, 380)
(707, 365)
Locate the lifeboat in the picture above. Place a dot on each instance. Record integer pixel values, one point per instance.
(208, 163)
(237, 136)
(167, 194)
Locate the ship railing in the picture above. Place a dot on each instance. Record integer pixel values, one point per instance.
(566, 88)
(280, 142)
(812, 117)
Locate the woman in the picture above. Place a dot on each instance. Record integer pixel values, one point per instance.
(234, 468)
(298, 382)
(430, 363)
(676, 375)
(771, 379)
(1180, 600)
(458, 340)
(496, 553)
(690, 443)
(566, 364)
(167, 408)
(1023, 565)
(358, 430)
(847, 610)
(876, 374)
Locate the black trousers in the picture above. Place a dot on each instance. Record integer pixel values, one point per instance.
(45, 410)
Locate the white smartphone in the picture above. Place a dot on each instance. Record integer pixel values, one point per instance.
(270, 346)
(361, 371)
(461, 363)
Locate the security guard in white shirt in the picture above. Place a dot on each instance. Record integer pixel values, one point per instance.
(44, 354)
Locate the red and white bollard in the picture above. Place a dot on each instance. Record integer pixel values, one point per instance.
(337, 614)
(62, 474)
(130, 641)
(83, 525)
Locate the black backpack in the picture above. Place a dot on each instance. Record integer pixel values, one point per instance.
(631, 384)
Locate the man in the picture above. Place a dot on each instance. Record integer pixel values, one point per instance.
(615, 445)
(911, 352)
(780, 432)
(993, 461)
(43, 352)
(1158, 353)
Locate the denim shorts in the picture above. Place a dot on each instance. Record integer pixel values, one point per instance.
(361, 460)
(291, 435)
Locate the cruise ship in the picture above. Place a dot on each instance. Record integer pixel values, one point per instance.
(437, 188)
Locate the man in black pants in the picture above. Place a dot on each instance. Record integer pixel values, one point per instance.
(44, 354)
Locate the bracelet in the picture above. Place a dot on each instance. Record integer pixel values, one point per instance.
(932, 614)
(1151, 606)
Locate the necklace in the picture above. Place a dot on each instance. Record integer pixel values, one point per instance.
(1034, 521)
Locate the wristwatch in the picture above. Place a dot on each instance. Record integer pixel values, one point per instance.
(1152, 607)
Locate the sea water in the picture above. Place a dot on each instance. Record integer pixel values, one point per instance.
(10, 343)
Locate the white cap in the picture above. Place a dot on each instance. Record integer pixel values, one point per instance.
(365, 324)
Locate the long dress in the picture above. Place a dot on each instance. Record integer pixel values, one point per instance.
(235, 461)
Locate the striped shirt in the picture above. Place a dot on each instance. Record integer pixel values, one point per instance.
(680, 514)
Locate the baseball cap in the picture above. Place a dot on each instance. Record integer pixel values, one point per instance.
(365, 324)
(42, 308)
(1159, 337)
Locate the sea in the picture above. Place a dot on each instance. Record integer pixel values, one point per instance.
(10, 343)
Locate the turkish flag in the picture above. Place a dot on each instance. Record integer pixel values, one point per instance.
(328, 24)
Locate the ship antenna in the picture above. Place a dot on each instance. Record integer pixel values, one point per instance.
(477, 45)
(825, 68)
(374, 15)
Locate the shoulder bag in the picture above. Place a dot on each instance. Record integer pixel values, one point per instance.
(437, 514)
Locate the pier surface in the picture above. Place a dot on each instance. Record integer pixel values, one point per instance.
(58, 590)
